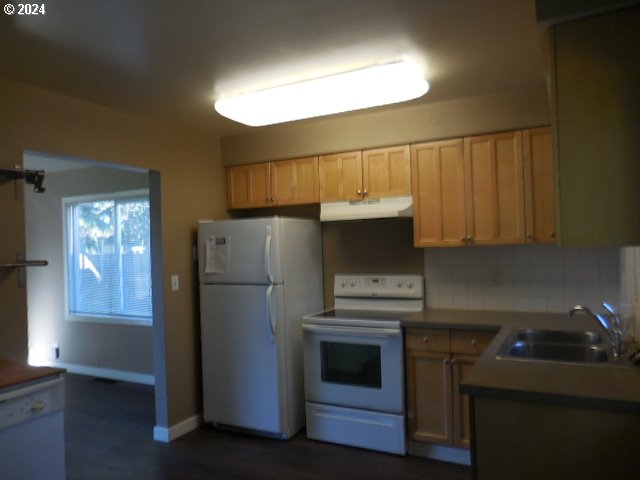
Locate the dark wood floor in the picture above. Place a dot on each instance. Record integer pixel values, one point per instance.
(109, 437)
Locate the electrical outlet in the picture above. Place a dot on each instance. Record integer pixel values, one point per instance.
(175, 283)
(55, 351)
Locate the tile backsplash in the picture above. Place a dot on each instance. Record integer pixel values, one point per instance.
(536, 278)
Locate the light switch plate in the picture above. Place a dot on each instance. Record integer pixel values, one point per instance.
(175, 283)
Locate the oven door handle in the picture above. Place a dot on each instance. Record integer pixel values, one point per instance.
(360, 331)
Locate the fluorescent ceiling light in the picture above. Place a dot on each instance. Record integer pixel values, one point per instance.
(344, 92)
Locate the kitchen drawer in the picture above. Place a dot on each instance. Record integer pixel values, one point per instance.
(428, 340)
(470, 342)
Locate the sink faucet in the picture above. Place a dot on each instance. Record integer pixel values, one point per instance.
(611, 323)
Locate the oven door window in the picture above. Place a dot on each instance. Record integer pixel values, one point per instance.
(351, 364)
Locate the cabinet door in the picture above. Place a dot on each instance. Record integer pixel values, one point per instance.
(307, 186)
(340, 176)
(386, 172)
(539, 185)
(597, 107)
(295, 181)
(437, 173)
(429, 413)
(494, 189)
(248, 186)
(461, 365)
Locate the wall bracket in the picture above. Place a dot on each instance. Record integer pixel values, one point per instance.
(34, 177)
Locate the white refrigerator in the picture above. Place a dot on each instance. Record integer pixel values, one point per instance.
(258, 277)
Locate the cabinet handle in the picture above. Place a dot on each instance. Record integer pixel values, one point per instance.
(445, 361)
(529, 236)
(469, 238)
(365, 192)
(453, 361)
(359, 192)
(552, 235)
(463, 239)
(474, 342)
(425, 339)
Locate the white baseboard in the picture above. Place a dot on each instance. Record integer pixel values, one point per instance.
(109, 373)
(166, 435)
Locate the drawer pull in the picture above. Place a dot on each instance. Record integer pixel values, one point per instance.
(474, 342)
(425, 339)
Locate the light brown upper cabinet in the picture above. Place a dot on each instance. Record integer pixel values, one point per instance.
(386, 172)
(382, 172)
(285, 182)
(539, 185)
(295, 182)
(248, 186)
(340, 176)
(438, 193)
(469, 191)
(495, 189)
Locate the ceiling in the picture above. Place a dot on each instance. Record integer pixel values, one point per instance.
(170, 59)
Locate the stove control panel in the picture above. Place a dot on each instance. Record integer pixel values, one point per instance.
(382, 286)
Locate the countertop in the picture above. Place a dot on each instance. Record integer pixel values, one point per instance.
(13, 373)
(605, 386)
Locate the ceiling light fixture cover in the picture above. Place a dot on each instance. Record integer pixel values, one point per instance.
(368, 87)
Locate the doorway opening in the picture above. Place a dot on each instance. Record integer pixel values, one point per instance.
(96, 309)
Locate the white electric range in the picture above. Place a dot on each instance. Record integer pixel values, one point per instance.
(354, 362)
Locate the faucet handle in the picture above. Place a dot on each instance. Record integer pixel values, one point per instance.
(608, 308)
(615, 318)
(603, 321)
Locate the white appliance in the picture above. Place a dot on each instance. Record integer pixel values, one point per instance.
(354, 362)
(32, 431)
(386, 207)
(258, 277)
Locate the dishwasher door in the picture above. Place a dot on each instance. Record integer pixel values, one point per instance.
(32, 431)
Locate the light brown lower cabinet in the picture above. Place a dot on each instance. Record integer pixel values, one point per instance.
(436, 362)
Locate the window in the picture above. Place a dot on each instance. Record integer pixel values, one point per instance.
(108, 258)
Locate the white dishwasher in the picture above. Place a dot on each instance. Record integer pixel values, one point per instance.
(32, 430)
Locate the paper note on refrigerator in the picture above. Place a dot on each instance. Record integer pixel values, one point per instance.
(217, 255)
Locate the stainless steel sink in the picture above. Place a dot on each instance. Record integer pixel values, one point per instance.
(573, 337)
(567, 346)
(558, 352)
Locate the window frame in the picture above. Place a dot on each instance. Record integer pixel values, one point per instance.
(66, 233)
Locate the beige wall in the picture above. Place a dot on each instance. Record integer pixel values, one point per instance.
(13, 299)
(371, 246)
(192, 187)
(418, 123)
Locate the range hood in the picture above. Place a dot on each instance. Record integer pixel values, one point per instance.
(363, 209)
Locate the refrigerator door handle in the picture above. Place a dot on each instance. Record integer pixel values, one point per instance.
(267, 254)
(272, 330)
